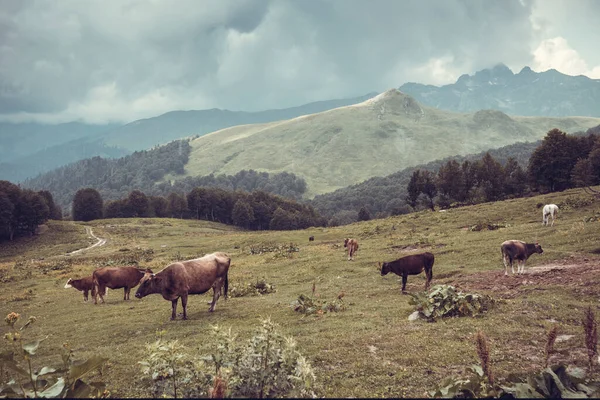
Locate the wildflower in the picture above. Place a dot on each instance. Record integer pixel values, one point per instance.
(12, 318)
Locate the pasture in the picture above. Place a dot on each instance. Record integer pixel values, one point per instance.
(369, 350)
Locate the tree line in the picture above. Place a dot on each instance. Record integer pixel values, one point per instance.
(257, 210)
(22, 210)
(114, 179)
(557, 162)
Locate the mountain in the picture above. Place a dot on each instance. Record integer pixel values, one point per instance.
(28, 149)
(527, 93)
(377, 137)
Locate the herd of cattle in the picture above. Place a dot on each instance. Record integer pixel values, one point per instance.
(198, 276)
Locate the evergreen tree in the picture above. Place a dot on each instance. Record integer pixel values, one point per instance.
(428, 187)
(364, 214)
(551, 163)
(414, 188)
(87, 205)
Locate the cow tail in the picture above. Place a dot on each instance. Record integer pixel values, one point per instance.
(226, 284)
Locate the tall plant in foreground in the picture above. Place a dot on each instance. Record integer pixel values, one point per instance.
(17, 380)
(267, 365)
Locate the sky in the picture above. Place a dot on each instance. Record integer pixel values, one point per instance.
(101, 61)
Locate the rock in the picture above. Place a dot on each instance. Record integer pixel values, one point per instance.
(414, 316)
(563, 338)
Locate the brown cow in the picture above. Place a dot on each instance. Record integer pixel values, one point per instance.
(83, 285)
(188, 277)
(116, 278)
(410, 265)
(352, 246)
(517, 250)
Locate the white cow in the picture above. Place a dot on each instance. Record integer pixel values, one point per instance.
(550, 210)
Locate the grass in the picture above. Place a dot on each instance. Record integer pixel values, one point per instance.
(369, 350)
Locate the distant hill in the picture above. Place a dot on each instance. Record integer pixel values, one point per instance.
(527, 93)
(347, 145)
(29, 149)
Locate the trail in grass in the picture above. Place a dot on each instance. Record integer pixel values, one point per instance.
(100, 242)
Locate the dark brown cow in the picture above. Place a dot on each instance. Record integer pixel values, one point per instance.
(352, 246)
(311, 238)
(84, 285)
(410, 265)
(116, 278)
(181, 279)
(518, 250)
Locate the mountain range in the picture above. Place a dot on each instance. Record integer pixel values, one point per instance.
(527, 93)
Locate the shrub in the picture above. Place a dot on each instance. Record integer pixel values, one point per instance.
(258, 288)
(47, 381)
(267, 365)
(308, 305)
(445, 301)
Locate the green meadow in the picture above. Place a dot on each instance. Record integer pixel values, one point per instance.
(368, 350)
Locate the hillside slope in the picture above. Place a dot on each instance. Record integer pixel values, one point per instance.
(548, 93)
(377, 137)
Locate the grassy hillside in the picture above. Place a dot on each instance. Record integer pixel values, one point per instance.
(382, 135)
(369, 350)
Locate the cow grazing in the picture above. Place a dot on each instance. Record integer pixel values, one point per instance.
(116, 278)
(410, 265)
(84, 285)
(181, 279)
(352, 246)
(311, 239)
(520, 251)
(550, 210)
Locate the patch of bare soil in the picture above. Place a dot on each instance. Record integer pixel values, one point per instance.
(576, 273)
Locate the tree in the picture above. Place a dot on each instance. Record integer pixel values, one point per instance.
(450, 181)
(428, 186)
(551, 163)
(198, 202)
(176, 205)
(138, 204)
(158, 206)
(7, 208)
(87, 205)
(55, 211)
(515, 179)
(583, 173)
(414, 188)
(490, 178)
(242, 214)
(282, 220)
(364, 214)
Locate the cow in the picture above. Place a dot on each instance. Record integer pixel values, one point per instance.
(116, 278)
(183, 278)
(550, 210)
(352, 246)
(410, 265)
(520, 251)
(311, 239)
(84, 285)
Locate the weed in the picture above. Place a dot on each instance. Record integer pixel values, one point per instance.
(445, 301)
(258, 288)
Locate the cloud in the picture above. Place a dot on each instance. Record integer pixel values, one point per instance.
(121, 60)
(556, 53)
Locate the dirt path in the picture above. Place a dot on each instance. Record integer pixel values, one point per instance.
(100, 242)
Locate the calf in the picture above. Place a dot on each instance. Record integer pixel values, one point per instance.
(517, 250)
(116, 278)
(311, 239)
(550, 210)
(352, 246)
(83, 285)
(410, 265)
(181, 279)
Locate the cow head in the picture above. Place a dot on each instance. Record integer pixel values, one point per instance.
(148, 284)
(384, 268)
(538, 248)
(346, 242)
(68, 284)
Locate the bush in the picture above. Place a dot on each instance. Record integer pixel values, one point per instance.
(445, 301)
(258, 288)
(308, 305)
(267, 365)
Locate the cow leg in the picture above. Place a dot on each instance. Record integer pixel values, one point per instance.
(404, 279)
(127, 291)
(174, 306)
(100, 292)
(429, 274)
(216, 294)
(85, 295)
(505, 265)
(184, 304)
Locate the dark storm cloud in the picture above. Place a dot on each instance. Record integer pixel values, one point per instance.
(122, 60)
